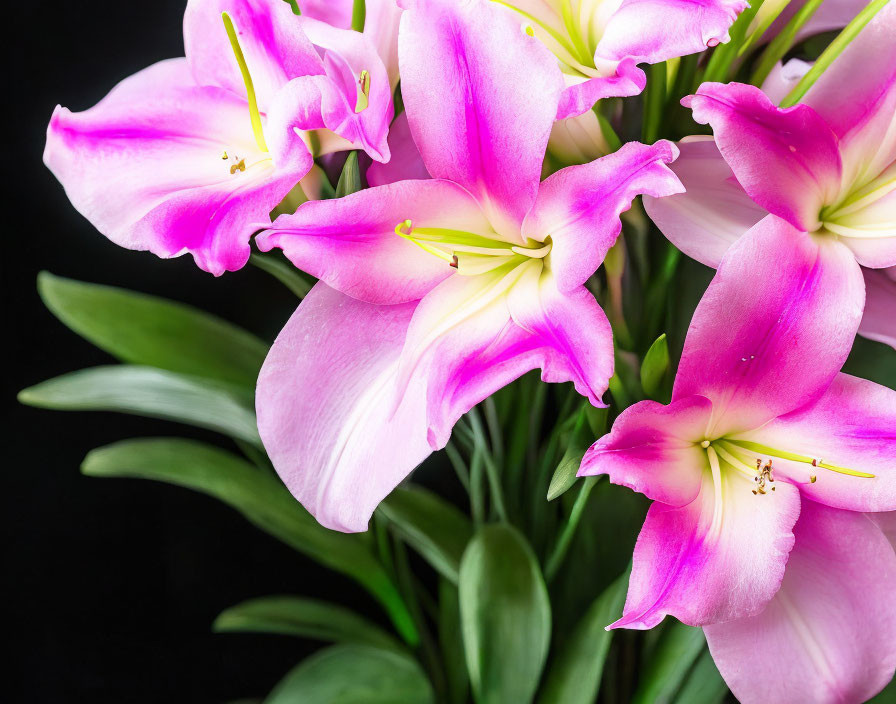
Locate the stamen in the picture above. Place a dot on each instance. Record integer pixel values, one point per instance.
(784, 455)
(224, 156)
(364, 95)
(239, 166)
(765, 475)
(409, 226)
(254, 114)
(716, 525)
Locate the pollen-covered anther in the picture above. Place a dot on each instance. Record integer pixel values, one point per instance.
(764, 478)
(453, 261)
(238, 166)
(364, 94)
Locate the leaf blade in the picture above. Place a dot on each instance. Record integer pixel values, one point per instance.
(354, 674)
(140, 329)
(260, 497)
(505, 616)
(307, 618)
(151, 392)
(432, 526)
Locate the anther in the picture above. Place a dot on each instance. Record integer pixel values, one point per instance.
(224, 156)
(364, 95)
(528, 29)
(239, 166)
(453, 261)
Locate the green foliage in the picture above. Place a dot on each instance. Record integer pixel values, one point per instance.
(307, 618)
(350, 178)
(668, 663)
(260, 497)
(505, 616)
(655, 366)
(156, 393)
(574, 675)
(432, 526)
(354, 674)
(156, 332)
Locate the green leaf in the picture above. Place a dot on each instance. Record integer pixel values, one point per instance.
(284, 272)
(574, 676)
(704, 684)
(677, 648)
(430, 525)
(260, 497)
(451, 644)
(147, 391)
(141, 329)
(565, 474)
(350, 178)
(655, 366)
(505, 616)
(354, 674)
(307, 618)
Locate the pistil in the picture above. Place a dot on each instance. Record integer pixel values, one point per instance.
(254, 114)
(795, 457)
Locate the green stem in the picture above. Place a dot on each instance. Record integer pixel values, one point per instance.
(460, 467)
(654, 102)
(606, 130)
(836, 47)
(359, 15)
(491, 469)
(780, 45)
(477, 497)
(494, 430)
(555, 561)
(286, 274)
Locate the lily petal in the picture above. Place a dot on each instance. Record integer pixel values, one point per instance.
(879, 321)
(719, 558)
(651, 31)
(347, 55)
(325, 411)
(579, 206)
(145, 167)
(654, 449)
(853, 425)
(788, 161)
(351, 243)
(713, 212)
(829, 634)
(271, 38)
(406, 162)
(860, 104)
(625, 80)
(485, 133)
(774, 327)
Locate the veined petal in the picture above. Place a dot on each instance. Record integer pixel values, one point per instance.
(569, 330)
(163, 165)
(579, 206)
(713, 212)
(406, 162)
(381, 28)
(357, 105)
(625, 80)
(652, 31)
(870, 231)
(655, 450)
(853, 425)
(271, 38)
(829, 634)
(351, 243)
(787, 161)
(879, 322)
(325, 412)
(860, 103)
(488, 134)
(774, 327)
(719, 558)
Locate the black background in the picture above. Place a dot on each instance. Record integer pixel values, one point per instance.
(114, 583)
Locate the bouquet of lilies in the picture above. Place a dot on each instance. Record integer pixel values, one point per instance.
(482, 206)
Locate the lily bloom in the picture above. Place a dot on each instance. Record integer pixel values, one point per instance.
(189, 154)
(763, 430)
(826, 165)
(435, 293)
(598, 43)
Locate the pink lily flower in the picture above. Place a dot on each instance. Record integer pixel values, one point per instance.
(189, 154)
(825, 166)
(761, 431)
(599, 42)
(435, 293)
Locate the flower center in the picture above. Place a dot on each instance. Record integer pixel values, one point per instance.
(859, 213)
(471, 254)
(755, 461)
